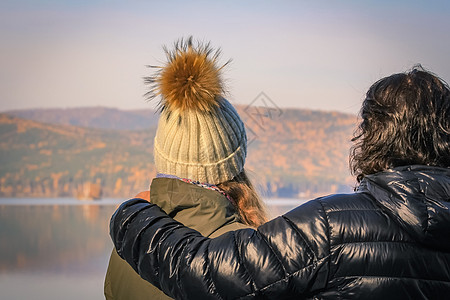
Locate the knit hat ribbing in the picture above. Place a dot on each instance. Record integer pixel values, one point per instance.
(201, 136)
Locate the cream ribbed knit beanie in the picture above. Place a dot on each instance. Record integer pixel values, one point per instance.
(200, 136)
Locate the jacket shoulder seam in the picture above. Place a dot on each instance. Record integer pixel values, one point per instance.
(294, 227)
(328, 240)
(240, 258)
(209, 271)
(274, 253)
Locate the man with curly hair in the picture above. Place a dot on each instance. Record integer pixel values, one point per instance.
(387, 240)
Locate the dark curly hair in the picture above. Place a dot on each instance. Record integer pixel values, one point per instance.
(405, 121)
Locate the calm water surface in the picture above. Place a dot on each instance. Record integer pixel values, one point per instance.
(59, 248)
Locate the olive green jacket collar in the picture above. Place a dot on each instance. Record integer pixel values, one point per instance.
(194, 206)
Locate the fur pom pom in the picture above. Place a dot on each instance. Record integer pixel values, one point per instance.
(191, 78)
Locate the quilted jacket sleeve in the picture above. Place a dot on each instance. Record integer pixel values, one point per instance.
(277, 261)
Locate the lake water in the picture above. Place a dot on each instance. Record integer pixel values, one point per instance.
(59, 248)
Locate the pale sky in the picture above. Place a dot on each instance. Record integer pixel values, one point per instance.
(304, 54)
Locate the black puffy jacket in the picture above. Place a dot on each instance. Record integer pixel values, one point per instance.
(390, 240)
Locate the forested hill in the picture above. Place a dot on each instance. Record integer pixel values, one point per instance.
(51, 152)
(93, 117)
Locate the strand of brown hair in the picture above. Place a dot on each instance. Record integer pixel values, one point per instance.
(249, 205)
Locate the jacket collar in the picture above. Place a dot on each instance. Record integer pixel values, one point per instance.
(201, 209)
(416, 197)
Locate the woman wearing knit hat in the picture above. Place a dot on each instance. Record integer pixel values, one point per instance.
(200, 149)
